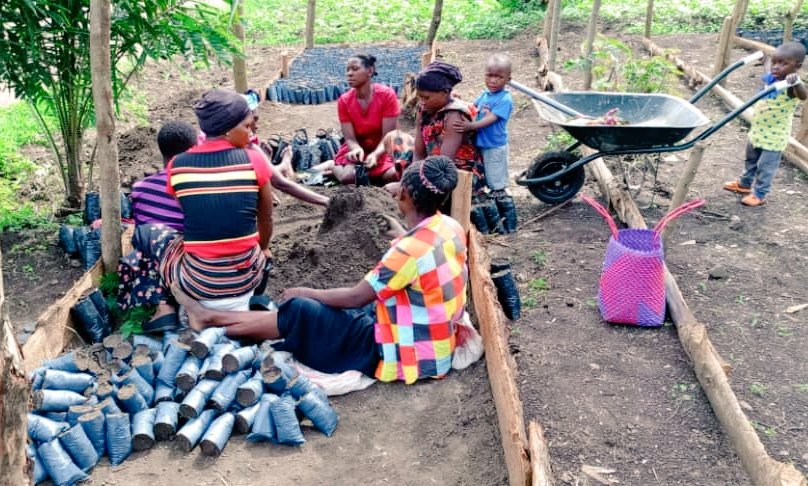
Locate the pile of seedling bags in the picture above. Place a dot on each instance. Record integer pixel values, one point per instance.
(318, 74)
(120, 396)
(774, 37)
(84, 242)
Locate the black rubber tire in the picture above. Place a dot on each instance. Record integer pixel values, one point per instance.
(561, 189)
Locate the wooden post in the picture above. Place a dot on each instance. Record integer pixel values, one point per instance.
(284, 62)
(432, 33)
(461, 199)
(683, 186)
(13, 401)
(788, 27)
(724, 45)
(590, 39)
(107, 142)
(310, 12)
(649, 18)
(240, 62)
(548, 20)
(802, 133)
(540, 472)
(552, 42)
(426, 58)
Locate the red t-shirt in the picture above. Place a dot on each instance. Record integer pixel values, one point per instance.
(367, 124)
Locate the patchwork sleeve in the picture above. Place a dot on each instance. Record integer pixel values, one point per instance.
(396, 271)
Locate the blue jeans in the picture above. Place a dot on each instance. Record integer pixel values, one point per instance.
(760, 168)
(495, 162)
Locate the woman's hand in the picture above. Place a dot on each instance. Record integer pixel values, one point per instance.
(356, 154)
(370, 161)
(295, 292)
(390, 226)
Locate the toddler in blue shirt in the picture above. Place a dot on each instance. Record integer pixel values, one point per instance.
(494, 107)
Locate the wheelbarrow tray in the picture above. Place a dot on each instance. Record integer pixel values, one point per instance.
(654, 120)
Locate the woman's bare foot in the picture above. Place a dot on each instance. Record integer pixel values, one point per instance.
(198, 317)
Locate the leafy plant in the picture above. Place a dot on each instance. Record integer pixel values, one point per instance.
(558, 140)
(539, 285)
(615, 68)
(757, 389)
(45, 59)
(539, 257)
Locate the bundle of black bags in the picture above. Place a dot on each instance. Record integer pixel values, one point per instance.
(124, 395)
(84, 242)
(494, 212)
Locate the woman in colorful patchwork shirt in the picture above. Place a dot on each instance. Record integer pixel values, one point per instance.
(399, 322)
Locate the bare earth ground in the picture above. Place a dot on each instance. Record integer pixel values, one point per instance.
(609, 396)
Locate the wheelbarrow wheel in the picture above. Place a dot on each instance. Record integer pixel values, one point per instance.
(564, 187)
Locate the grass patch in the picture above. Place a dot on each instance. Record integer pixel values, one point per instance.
(18, 127)
(276, 22)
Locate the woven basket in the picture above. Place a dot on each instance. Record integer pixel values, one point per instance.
(632, 281)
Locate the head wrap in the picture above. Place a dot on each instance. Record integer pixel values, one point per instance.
(438, 76)
(219, 110)
(253, 98)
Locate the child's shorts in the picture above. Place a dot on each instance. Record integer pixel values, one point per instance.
(495, 160)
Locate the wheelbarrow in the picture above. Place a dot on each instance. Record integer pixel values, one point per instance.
(652, 123)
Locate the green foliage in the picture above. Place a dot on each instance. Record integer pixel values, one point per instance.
(539, 257)
(45, 58)
(558, 140)
(282, 22)
(538, 285)
(615, 68)
(131, 320)
(757, 389)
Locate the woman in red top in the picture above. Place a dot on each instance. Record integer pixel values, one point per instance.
(367, 112)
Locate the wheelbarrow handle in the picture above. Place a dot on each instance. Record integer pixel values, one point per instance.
(547, 101)
(723, 74)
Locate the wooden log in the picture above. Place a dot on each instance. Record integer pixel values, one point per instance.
(541, 473)
(434, 24)
(106, 141)
(691, 169)
(284, 61)
(724, 46)
(499, 363)
(649, 18)
(14, 393)
(461, 199)
(311, 9)
(590, 40)
(753, 45)
(802, 133)
(552, 44)
(788, 26)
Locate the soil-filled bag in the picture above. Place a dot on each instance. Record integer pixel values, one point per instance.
(250, 392)
(55, 416)
(119, 437)
(154, 345)
(37, 377)
(76, 411)
(165, 420)
(172, 362)
(492, 216)
(64, 380)
(67, 240)
(109, 405)
(188, 373)
(195, 401)
(238, 359)
(65, 362)
(287, 427)
(300, 385)
(246, 417)
(507, 209)
(508, 293)
(126, 207)
(217, 435)
(56, 400)
(89, 321)
(143, 387)
(91, 251)
(100, 303)
(80, 448)
(263, 427)
(275, 379)
(39, 473)
(478, 219)
(212, 367)
(94, 426)
(319, 412)
(143, 429)
(131, 400)
(144, 367)
(157, 362)
(632, 281)
(41, 429)
(106, 390)
(191, 432)
(206, 340)
(163, 393)
(225, 393)
(92, 207)
(59, 465)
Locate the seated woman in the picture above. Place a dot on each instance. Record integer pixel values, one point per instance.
(367, 112)
(399, 322)
(224, 189)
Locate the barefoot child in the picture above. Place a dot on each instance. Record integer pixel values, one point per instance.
(771, 125)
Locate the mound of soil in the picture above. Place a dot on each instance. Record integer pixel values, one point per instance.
(338, 251)
(138, 155)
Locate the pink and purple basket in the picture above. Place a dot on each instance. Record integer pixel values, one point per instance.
(632, 282)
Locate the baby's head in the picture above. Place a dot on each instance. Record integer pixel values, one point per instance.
(174, 138)
(497, 72)
(787, 59)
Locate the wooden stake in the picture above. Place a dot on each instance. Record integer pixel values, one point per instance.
(683, 186)
(802, 133)
(426, 58)
(649, 18)
(590, 40)
(540, 471)
(240, 62)
(434, 24)
(310, 13)
(14, 399)
(552, 45)
(284, 62)
(107, 143)
(461, 199)
(724, 45)
(753, 45)
(788, 27)
(547, 29)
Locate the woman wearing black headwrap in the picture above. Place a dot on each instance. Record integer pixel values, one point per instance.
(435, 132)
(223, 188)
